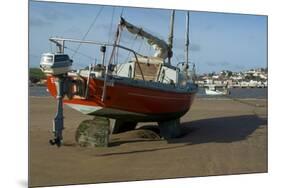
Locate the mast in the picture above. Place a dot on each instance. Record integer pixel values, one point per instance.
(187, 37)
(171, 36)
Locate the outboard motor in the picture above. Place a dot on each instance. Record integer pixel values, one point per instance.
(57, 65)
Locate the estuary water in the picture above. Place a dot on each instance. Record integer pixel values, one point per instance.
(255, 93)
(241, 93)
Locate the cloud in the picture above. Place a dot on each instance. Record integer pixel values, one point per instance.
(104, 26)
(32, 55)
(210, 63)
(34, 60)
(209, 27)
(52, 14)
(179, 44)
(238, 67)
(218, 63)
(74, 30)
(225, 65)
(47, 18)
(194, 47)
(38, 22)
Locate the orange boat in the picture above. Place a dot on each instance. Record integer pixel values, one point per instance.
(134, 101)
(142, 89)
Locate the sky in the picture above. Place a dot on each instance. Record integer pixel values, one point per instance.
(218, 41)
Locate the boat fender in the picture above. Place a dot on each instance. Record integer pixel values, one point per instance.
(75, 87)
(69, 89)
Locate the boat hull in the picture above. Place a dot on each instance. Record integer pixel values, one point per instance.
(127, 102)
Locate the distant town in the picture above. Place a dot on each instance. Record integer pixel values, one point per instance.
(253, 78)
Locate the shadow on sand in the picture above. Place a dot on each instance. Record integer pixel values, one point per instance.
(220, 130)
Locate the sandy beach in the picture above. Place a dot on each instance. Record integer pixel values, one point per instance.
(221, 137)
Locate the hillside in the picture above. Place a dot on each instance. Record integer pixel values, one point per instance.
(35, 75)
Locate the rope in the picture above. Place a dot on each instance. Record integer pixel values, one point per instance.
(122, 10)
(82, 54)
(92, 24)
(118, 42)
(151, 53)
(140, 47)
(51, 47)
(129, 53)
(176, 57)
(111, 23)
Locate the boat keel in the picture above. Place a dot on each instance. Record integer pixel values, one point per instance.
(170, 129)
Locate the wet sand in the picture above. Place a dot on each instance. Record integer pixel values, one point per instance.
(221, 137)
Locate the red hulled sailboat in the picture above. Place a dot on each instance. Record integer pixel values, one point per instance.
(142, 89)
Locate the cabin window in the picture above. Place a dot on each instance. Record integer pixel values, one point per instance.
(130, 72)
(162, 76)
(61, 58)
(48, 58)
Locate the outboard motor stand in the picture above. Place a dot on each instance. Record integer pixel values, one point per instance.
(58, 120)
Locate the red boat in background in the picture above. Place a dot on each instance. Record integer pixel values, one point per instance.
(142, 89)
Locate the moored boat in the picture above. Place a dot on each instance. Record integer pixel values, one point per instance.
(215, 90)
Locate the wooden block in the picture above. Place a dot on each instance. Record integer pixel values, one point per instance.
(94, 133)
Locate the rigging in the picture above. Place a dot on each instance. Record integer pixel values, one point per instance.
(85, 35)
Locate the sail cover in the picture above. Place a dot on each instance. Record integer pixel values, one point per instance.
(160, 46)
